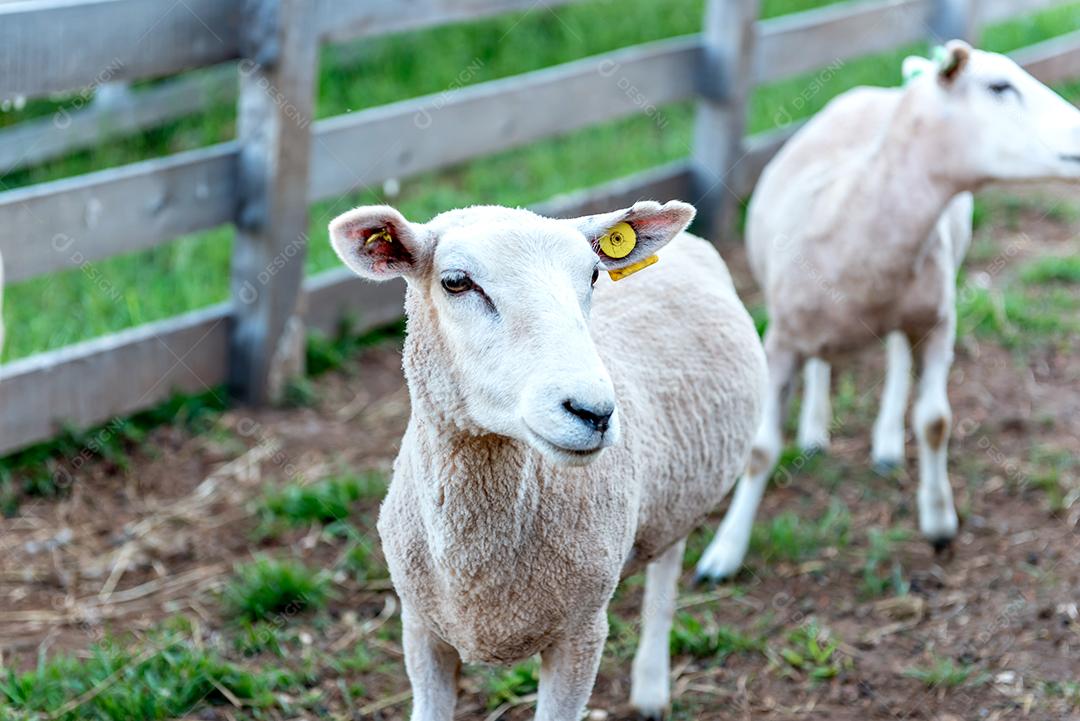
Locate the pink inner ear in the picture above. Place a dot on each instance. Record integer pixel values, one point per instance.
(382, 247)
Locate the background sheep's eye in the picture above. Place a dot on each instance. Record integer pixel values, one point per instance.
(457, 283)
(1002, 87)
(595, 275)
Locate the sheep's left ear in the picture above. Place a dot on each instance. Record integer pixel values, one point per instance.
(629, 237)
(378, 243)
(951, 60)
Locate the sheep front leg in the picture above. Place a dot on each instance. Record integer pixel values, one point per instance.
(816, 414)
(568, 671)
(933, 421)
(650, 687)
(888, 448)
(724, 556)
(432, 666)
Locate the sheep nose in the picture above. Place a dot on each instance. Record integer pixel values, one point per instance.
(597, 417)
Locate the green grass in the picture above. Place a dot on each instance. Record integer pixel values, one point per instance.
(791, 538)
(882, 574)
(510, 685)
(193, 272)
(325, 501)
(705, 639)
(1052, 270)
(945, 673)
(161, 677)
(812, 650)
(269, 589)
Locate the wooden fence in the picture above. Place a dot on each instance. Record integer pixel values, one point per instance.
(281, 161)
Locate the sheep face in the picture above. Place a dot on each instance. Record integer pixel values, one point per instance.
(508, 295)
(994, 120)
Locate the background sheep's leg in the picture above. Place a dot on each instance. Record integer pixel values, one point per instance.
(568, 671)
(724, 556)
(650, 688)
(888, 447)
(933, 421)
(433, 667)
(816, 414)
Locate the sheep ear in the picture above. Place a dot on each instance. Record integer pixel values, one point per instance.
(915, 66)
(951, 60)
(377, 242)
(631, 236)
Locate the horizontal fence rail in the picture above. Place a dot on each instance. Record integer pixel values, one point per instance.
(407, 138)
(49, 46)
(341, 20)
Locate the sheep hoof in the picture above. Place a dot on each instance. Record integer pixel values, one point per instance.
(941, 545)
(811, 450)
(647, 714)
(714, 575)
(887, 466)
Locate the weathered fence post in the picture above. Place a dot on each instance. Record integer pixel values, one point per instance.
(726, 80)
(277, 90)
(950, 19)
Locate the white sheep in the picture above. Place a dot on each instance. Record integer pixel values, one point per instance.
(565, 432)
(855, 233)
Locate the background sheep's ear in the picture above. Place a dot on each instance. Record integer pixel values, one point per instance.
(916, 66)
(377, 242)
(952, 59)
(652, 225)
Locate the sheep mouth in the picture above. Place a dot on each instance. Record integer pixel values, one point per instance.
(554, 449)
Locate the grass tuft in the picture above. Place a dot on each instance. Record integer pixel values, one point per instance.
(708, 640)
(945, 673)
(166, 677)
(512, 684)
(267, 588)
(788, 537)
(812, 650)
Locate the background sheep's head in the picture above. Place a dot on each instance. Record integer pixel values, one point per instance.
(509, 294)
(994, 120)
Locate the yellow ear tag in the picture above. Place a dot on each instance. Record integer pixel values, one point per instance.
(619, 241)
(631, 269)
(383, 234)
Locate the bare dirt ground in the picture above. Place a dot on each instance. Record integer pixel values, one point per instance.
(989, 631)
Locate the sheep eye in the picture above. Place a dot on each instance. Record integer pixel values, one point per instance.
(595, 275)
(1001, 87)
(456, 283)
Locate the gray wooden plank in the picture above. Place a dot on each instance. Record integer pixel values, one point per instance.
(399, 140)
(274, 131)
(1054, 60)
(729, 40)
(671, 181)
(67, 223)
(810, 40)
(36, 141)
(343, 20)
(951, 19)
(988, 12)
(334, 295)
(85, 384)
(49, 46)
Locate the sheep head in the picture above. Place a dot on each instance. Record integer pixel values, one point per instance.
(990, 118)
(509, 294)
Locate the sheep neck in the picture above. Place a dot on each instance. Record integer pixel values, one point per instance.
(909, 168)
(468, 481)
